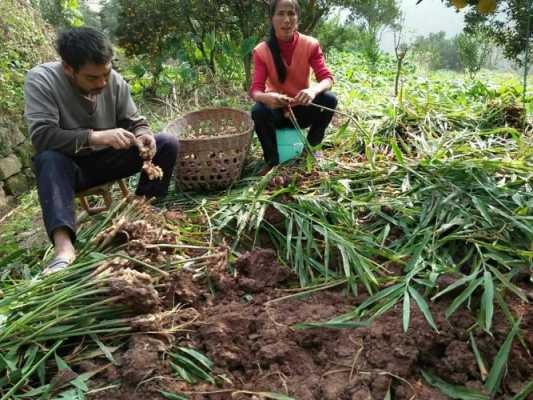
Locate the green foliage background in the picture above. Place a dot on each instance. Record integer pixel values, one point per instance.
(26, 42)
(433, 182)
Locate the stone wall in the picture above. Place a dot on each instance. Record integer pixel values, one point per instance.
(26, 41)
(16, 176)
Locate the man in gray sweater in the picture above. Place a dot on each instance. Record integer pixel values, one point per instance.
(84, 127)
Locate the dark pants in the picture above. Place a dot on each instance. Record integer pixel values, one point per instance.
(59, 177)
(267, 120)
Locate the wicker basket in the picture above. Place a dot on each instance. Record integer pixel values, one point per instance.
(213, 162)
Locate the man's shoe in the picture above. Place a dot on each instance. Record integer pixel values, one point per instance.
(56, 265)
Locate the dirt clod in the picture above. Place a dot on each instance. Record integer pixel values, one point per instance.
(141, 359)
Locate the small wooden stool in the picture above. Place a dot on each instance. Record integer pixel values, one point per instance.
(103, 190)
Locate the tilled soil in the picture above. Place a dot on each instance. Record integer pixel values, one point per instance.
(244, 322)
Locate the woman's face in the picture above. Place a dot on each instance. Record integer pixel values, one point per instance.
(285, 20)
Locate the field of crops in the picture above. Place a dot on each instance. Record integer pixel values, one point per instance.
(396, 264)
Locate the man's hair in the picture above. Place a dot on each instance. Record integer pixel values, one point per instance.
(80, 46)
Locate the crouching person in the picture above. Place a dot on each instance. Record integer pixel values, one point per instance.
(86, 131)
(281, 75)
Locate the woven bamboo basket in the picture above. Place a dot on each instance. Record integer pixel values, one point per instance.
(211, 163)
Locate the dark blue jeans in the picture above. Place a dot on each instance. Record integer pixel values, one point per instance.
(267, 120)
(59, 177)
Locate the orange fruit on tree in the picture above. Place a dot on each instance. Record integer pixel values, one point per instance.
(459, 4)
(486, 6)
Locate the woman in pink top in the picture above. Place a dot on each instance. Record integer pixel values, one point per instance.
(281, 78)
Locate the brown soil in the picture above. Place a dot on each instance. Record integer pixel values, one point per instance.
(515, 115)
(249, 335)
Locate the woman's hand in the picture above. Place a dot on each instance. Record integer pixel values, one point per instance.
(305, 96)
(276, 100)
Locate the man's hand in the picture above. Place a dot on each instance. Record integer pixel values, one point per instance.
(305, 96)
(118, 138)
(276, 100)
(147, 142)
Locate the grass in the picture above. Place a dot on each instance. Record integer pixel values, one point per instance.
(435, 183)
(48, 317)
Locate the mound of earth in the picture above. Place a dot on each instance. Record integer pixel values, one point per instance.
(246, 327)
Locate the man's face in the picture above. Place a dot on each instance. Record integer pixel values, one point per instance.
(90, 78)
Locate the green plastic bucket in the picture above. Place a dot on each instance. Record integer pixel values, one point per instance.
(290, 144)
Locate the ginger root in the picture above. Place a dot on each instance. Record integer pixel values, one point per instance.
(152, 171)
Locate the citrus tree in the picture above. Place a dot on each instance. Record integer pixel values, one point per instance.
(507, 22)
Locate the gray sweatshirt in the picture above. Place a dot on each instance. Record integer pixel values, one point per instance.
(60, 117)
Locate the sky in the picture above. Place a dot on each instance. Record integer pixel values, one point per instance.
(427, 17)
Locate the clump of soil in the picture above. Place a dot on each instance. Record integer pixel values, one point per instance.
(258, 271)
(512, 113)
(181, 288)
(287, 176)
(255, 344)
(246, 326)
(141, 359)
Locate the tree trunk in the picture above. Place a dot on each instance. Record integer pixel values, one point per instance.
(526, 53)
(212, 64)
(247, 62)
(398, 73)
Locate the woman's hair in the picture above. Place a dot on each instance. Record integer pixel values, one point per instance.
(80, 46)
(273, 42)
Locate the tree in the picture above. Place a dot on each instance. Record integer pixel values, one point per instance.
(437, 51)
(508, 23)
(246, 24)
(142, 30)
(376, 15)
(216, 33)
(60, 13)
(312, 12)
(373, 17)
(161, 29)
(400, 51)
(198, 30)
(109, 16)
(473, 51)
(341, 35)
(509, 26)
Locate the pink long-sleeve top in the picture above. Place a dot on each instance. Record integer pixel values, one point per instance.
(316, 62)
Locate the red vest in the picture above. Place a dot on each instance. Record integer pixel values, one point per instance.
(298, 72)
